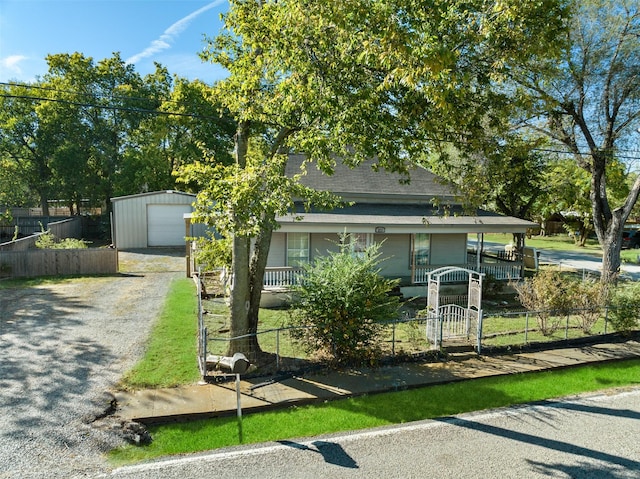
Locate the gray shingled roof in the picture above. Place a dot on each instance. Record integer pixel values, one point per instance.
(363, 181)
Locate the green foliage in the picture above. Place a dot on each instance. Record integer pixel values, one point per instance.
(214, 252)
(625, 307)
(244, 200)
(546, 294)
(93, 130)
(342, 298)
(49, 241)
(6, 218)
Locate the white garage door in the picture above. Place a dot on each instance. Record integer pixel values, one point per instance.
(165, 224)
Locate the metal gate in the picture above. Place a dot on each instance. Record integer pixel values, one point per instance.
(451, 321)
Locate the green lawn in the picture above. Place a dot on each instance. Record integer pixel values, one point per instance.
(380, 410)
(565, 243)
(554, 242)
(170, 358)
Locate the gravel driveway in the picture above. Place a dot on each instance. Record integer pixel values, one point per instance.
(63, 346)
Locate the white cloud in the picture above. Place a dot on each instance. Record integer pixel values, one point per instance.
(12, 63)
(165, 40)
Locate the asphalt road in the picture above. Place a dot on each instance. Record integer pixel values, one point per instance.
(595, 436)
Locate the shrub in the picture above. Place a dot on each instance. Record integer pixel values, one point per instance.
(341, 302)
(49, 241)
(552, 295)
(6, 218)
(625, 307)
(588, 298)
(546, 294)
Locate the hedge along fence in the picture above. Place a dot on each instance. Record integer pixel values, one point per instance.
(58, 262)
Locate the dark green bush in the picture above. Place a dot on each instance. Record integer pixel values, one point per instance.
(342, 301)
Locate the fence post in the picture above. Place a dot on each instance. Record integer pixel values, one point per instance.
(526, 328)
(278, 349)
(393, 338)
(204, 353)
(480, 321)
(566, 329)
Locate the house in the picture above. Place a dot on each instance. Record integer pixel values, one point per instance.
(421, 225)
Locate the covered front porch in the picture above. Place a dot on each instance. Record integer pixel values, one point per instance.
(499, 265)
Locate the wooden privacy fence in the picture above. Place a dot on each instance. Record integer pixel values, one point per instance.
(58, 262)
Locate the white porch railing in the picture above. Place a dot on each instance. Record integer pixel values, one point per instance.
(498, 271)
(275, 278)
(284, 277)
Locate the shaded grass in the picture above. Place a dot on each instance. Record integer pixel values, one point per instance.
(381, 409)
(19, 283)
(171, 357)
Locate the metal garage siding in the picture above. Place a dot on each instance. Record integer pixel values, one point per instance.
(130, 216)
(165, 224)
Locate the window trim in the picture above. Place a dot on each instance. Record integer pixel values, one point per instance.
(308, 257)
(414, 244)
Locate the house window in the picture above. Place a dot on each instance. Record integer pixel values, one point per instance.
(297, 249)
(359, 242)
(420, 253)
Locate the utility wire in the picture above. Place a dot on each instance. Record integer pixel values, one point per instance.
(197, 116)
(110, 107)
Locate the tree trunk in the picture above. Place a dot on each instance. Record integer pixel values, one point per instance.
(611, 247)
(44, 204)
(240, 329)
(256, 281)
(609, 224)
(240, 300)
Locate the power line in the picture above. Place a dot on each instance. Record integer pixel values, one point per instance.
(203, 117)
(110, 107)
(93, 94)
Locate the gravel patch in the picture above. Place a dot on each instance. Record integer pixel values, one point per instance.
(63, 348)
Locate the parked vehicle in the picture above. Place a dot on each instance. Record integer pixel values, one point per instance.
(631, 239)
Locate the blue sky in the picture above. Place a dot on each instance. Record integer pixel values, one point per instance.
(143, 31)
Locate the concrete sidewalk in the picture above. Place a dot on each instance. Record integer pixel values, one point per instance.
(209, 400)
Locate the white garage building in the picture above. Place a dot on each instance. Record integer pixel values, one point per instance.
(151, 219)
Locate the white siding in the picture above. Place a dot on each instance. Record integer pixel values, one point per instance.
(321, 243)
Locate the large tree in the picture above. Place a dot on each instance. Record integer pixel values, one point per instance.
(189, 121)
(27, 142)
(352, 80)
(588, 103)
